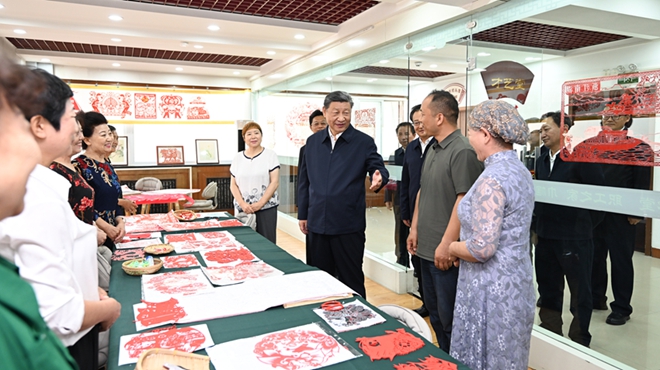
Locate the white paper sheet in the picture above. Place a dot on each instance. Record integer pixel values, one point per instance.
(138, 243)
(355, 315)
(300, 348)
(188, 339)
(228, 275)
(161, 287)
(259, 295)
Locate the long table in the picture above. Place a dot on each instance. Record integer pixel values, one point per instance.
(127, 290)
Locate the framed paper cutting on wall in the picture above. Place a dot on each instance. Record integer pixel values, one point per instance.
(169, 155)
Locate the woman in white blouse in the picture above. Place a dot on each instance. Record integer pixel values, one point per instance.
(254, 181)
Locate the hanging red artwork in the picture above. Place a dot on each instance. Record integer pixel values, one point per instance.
(171, 106)
(145, 106)
(393, 343)
(429, 363)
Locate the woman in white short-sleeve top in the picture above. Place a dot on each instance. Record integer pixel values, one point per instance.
(254, 181)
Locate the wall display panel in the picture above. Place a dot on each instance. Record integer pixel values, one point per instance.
(152, 117)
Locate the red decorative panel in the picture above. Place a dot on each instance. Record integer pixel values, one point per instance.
(387, 71)
(75, 47)
(545, 36)
(331, 12)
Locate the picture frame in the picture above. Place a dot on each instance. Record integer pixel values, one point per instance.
(207, 151)
(120, 156)
(170, 155)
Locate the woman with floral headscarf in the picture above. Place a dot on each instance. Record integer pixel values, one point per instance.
(494, 310)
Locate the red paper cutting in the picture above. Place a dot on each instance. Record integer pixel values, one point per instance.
(145, 106)
(429, 363)
(177, 282)
(181, 261)
(394, 343)
(127, 254)
(230, 255)
(216, 234)
(183, 339)
(296, 349)
(231, 223)
(160, 312)
(180, 237)
(171, 106)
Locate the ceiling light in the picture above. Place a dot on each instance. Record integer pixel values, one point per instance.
(199, 47)
(116, 65)
(115, 18)
(483, 54)
(184, 44)
(2, 6)
(179, 69)
(45, 60)
(433, 66)
(270, 52)
(237, 72)
(329, 78)
(20, 31)
(299, 37)
(428, 48)
(384, 61)
(372, 80)
(213, 27)
(115, 39)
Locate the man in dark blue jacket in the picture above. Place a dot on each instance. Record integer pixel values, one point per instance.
(331, 192)
(565, 237)
(410, 181)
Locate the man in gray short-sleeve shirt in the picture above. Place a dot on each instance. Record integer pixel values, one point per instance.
(450, 168)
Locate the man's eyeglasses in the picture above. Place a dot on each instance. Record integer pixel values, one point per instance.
(613, 118)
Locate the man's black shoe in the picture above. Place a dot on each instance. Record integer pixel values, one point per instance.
(616, 318)
(422, 311)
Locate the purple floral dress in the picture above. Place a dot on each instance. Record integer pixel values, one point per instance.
(494, 310)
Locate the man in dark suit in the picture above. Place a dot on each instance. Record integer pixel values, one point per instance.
(565, 237)
(410, 180)
(316, 123)
(332, 201)
(405, 133)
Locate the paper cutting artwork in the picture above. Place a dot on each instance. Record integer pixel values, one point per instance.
(161, 287)
(188, 339)
(180, 261)
(365, 121)
(197, 109)
(303, 347)
(137, 236)
(227, 256)
(354, 315)
(393, 343)
(297, 123)
(231, 223)
(180, 237)
(217, 235)
(127, 254)
(177, 226)
(111, 104)
(145, 106)
(151, 314)
(171, 106)
(429, 363)
(137, 243)
(228, 275)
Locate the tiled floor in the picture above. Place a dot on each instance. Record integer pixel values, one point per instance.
(636, 343)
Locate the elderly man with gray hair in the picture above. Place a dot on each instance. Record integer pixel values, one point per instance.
(331, 192)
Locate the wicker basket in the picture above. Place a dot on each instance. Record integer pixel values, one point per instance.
(142, 270)
(154, 359)
(185, 215)
(157, 249)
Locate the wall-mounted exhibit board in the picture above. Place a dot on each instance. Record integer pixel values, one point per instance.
(152, 117)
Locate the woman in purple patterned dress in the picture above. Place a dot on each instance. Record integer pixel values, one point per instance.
(494, 310)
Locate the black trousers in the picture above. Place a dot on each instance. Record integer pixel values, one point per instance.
(401, 232)
(617, 236)
(86, 350)
(267, 223)
(417, 265)
(572, 259)
(340, 256)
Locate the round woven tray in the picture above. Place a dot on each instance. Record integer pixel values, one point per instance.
(142, 270)
(158, 249)
(185, 215)
(154, 359)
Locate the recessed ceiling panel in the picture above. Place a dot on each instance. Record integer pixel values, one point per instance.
(545, 36)
(75, 47)
(332, 12)
(387, 71)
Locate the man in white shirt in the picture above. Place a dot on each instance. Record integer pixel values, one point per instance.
(54, 250)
